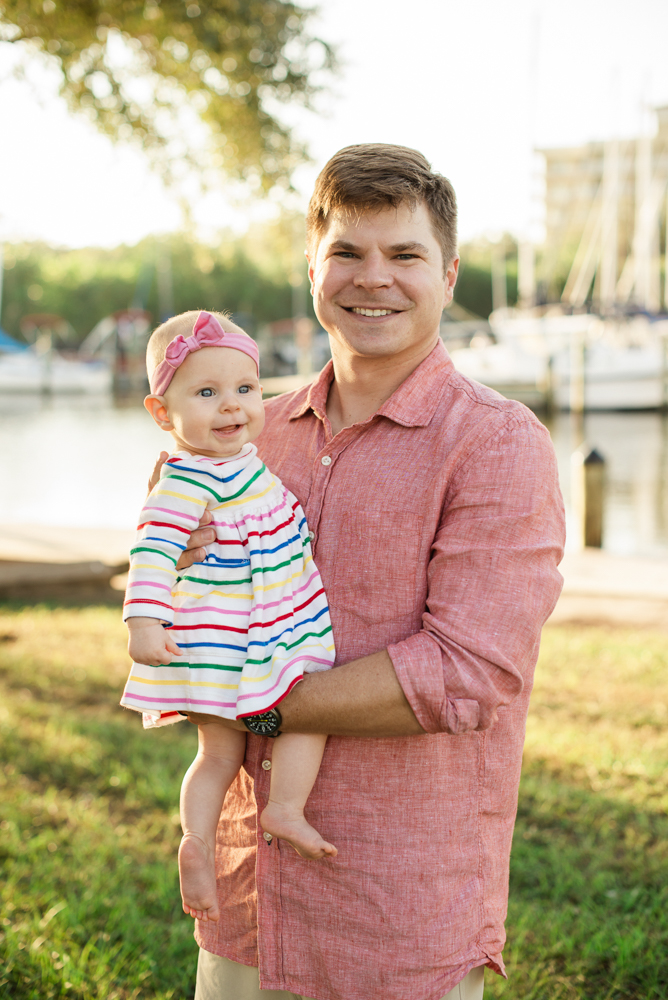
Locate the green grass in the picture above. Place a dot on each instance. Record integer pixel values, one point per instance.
(89, 904)
(588, 914)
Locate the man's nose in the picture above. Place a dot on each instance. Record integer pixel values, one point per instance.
(373, 272)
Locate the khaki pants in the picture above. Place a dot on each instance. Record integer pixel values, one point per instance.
(220, 979)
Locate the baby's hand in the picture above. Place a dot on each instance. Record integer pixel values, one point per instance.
(149, 643)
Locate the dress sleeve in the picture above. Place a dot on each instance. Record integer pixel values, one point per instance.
(171, 512)
(493, 582)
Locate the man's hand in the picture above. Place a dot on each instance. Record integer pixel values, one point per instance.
(155, 475)
(194, 552)
(149, 643)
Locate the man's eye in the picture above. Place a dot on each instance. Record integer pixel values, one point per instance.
(206, 393)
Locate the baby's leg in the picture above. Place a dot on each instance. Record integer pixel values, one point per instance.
(294, 767)
(220, 755)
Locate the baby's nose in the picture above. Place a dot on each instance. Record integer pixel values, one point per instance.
(229, 401)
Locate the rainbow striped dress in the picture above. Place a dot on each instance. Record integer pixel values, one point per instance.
(252, 618)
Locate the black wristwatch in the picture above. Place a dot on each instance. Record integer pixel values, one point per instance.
(265, 724)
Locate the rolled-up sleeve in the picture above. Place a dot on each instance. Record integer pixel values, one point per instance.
(492, 582)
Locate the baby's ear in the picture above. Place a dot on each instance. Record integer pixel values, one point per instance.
(157, 407)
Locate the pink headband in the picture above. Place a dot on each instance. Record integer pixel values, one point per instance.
(207, 332)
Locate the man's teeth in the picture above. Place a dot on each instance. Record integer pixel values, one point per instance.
(372, 312)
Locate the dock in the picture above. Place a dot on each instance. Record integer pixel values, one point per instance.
(42, 562)
(39, 562)
(600, 587)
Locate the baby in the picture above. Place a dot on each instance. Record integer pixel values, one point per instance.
(231, 635)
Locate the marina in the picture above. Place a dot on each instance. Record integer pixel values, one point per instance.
(83, 462)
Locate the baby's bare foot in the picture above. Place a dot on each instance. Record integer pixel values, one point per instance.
(197, 875)
(290, 824)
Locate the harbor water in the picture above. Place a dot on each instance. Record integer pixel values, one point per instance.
(84, 462)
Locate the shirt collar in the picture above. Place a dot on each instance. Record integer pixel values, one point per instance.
(413, 404)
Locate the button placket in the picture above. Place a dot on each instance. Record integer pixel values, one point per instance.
(314, 505)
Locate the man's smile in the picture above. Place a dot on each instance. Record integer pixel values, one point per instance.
(364, 311)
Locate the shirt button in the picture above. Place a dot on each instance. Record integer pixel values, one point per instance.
(326, 460)
(266, 764)
(311, 535)
(268, 837)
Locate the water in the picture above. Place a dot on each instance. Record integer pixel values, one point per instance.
(84, 462)
(635, 447)
(75, 461)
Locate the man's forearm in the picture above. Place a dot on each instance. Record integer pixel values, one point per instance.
(362, 698)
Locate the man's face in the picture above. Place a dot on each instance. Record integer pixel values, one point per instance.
(378, 282)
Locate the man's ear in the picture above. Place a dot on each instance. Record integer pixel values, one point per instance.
(450, 280)
(157, 407)
(310, 269)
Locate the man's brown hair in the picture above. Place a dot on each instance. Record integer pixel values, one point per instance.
(374, 175)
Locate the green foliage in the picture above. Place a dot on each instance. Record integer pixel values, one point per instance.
(473, 290)
(142, 69)
(89, 904)
(85, 285)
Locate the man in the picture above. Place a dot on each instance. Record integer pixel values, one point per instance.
(437, 526)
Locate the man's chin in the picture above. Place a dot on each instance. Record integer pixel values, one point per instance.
(382, 344)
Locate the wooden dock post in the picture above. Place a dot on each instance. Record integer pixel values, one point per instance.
(578, 353)
(588, 474)
(549, 387)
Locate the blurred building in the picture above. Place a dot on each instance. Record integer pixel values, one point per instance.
(604, 214)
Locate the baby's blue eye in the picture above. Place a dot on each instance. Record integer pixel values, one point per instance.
(206, 393)
(244, 388)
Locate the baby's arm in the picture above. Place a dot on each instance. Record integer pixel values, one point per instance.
(149, 643)
(170, 513)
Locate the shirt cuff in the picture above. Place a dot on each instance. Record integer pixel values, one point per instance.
(149, 610)
(418, 662)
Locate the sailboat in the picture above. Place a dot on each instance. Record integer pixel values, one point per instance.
(604, 346)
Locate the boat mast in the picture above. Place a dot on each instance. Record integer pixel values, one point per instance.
(610, 226)
(643, 221)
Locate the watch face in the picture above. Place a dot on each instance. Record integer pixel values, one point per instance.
(263, 725)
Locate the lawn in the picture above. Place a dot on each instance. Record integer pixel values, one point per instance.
(89, 904)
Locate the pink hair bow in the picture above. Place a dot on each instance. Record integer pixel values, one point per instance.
(207, 332)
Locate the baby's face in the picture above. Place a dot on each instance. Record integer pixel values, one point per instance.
(214, 402)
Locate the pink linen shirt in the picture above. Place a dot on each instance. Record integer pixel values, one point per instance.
(438, 526)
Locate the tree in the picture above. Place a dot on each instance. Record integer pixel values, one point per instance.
(147, 71)
(85, 285)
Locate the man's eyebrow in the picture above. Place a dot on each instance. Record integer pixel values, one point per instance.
(344, 245)
(410, 247)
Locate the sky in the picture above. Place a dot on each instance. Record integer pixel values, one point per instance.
(476, 86)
